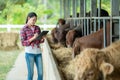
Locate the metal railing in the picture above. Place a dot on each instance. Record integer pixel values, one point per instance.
(87, 22)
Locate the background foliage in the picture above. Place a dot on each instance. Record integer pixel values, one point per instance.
(15, 11)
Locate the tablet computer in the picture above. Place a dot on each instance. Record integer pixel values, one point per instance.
(43, 33)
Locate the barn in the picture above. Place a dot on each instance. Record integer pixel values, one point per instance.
(89, 21)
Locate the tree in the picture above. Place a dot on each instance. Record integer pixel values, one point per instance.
(2, 4)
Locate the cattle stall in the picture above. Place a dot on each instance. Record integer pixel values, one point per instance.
(90, 24)
(92, 19)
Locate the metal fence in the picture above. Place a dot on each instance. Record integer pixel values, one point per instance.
(87, 23)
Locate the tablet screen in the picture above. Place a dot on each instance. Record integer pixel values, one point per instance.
(41, 34)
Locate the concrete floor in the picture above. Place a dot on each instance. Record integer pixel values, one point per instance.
(19, 70)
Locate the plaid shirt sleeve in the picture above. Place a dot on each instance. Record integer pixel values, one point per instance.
(24, 40)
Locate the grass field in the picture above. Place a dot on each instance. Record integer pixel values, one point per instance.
(7, 59)
(12, 29)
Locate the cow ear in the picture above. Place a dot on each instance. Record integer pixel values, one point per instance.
(106, 68)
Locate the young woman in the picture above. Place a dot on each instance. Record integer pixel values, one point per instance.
(33, 52)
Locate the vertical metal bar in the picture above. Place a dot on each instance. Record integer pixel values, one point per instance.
(77, 4)
(79, 10)
(74, 10)
(82, 14)
(82, 27)
(85, 32)
(115, 12)
(94, 25)
(111, 21)
(94, 7)
(119, 29)
(84, 8)
(99, 11)
(99, 7)
(111, 8)
(104, 32)
(115, 7)
(111, 30)
(90, 17)
(88, 26)
(69, 9)
(93, 10)
(64, 8)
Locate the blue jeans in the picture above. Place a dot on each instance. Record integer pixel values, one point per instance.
(30, 60)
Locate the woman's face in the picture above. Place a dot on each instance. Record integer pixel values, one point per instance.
(32, 20)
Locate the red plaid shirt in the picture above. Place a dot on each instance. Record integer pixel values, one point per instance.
(26, 33)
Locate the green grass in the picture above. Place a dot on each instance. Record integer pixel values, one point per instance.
(3, 29)
(15, 29)
(12, 29)
(7, 59)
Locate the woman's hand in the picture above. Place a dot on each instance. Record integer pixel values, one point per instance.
(43, 37)
(34, 37)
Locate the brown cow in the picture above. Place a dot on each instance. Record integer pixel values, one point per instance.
(54, 30)
(71, 35)
(95, 64)
(94, 40)
(59, 34)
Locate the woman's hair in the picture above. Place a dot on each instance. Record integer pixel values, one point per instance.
(31, 14)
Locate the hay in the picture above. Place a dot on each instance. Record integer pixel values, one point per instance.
(8, 40)
(69, 69)
(63, 55)
(54, 45)
(66, 65)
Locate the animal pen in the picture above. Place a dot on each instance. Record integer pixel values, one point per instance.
(90, 24)
(75, 7)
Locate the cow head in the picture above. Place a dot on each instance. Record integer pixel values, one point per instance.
(70, 37)
(61, 21)
(93, 65)
(76, 48)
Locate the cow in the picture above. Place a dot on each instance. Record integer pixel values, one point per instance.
(94, 40)
(60, 31)
(72, 34)
(96, 64)
(59, 34)
(55, 30)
